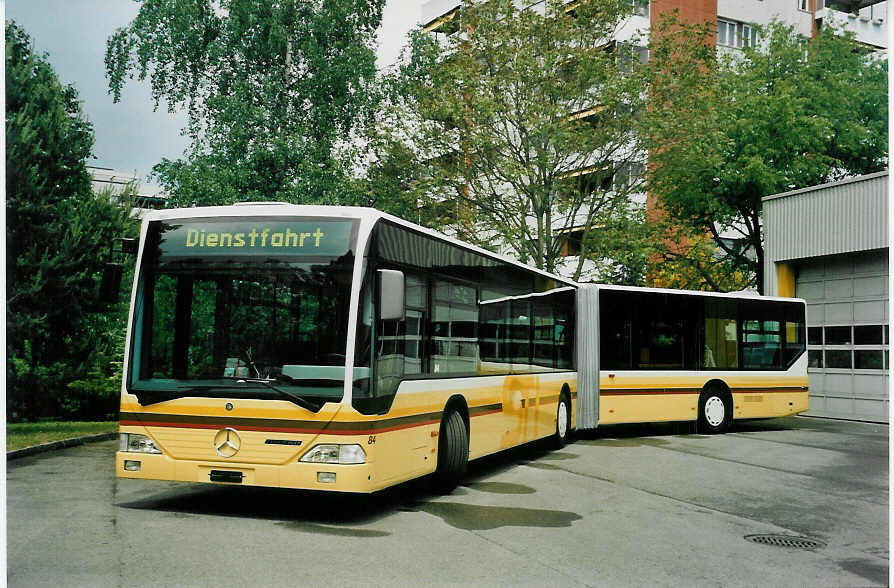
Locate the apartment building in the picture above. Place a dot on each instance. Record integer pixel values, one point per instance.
(148, 196)
(867, 19)
(735, 20)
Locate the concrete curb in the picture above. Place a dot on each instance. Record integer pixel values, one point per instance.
(53, 445)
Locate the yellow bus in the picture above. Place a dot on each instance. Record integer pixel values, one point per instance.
(344, 349)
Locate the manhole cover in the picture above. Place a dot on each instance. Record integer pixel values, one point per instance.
(786, 541)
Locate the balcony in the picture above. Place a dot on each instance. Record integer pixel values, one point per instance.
(437, 10)
(869, 24)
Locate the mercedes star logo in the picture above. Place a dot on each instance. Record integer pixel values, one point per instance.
(227, 442)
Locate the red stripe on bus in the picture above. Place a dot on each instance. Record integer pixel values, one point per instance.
(660, 391)
(646, 391)
(313, 431)
(362, 428)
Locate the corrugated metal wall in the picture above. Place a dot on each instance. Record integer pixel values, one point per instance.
(842, 217)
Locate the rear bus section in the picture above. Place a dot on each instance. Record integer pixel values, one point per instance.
(680, 356)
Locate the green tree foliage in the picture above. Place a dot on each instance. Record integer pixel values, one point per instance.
(728, 130)
(275, 92)
(511, 128)
(57, 236)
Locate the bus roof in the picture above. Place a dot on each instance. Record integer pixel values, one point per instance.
(369, 215)
(736, 295)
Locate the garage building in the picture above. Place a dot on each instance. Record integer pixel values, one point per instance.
(829, 245)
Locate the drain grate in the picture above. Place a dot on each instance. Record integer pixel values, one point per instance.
(786, 541)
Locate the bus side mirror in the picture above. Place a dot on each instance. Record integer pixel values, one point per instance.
(112, 271)
(391, 295)
(126, 245)
(111, 282)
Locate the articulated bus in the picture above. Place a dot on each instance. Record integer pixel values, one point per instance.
(338, 348)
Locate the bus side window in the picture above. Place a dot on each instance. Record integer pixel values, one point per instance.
(761, 336)
(721, 342)
(544, 335)
(454, 328)
(794, 332)
(492, 335)
(399, 349)
(615, 325)
(563, 304)
(659, 330)
(416, 300)
(519, 331)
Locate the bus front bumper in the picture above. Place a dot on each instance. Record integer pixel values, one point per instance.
(308, 476)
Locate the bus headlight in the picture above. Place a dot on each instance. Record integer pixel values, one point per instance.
(332, 453)
(137, 444)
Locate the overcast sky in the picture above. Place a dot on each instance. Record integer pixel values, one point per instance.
(130, 137)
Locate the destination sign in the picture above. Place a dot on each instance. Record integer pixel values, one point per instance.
(302, 237)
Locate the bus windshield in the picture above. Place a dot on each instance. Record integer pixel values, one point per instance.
(243, 308)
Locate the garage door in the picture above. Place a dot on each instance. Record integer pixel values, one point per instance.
(848, 334)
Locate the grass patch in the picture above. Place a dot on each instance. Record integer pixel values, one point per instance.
(20, 435)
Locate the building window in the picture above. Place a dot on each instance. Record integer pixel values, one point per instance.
(814, 335)
(838, 358)
(802, 5)
(574, 242)
(815, 358)
(839, 5)
(846, 347)
(628, 175)
(726, 32)
(747, 34)
(641, 7)
(868, 335)
(838, 335)
(590, 180)
(735, 34)
(628, 54)
(868, 359)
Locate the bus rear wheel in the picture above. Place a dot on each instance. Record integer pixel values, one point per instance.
(715, 411)
(453, 452)
(563, 422)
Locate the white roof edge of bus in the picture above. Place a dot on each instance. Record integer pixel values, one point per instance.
(371, 214)
(358, 212)
(527, 296)
(736, 295)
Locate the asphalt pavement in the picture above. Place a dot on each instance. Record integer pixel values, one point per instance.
(621, 506)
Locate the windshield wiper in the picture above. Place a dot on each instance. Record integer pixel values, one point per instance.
(146, 397)
(320, 382)
(297, 399)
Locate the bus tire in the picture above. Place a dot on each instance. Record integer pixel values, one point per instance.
(453, 452)
(563, 422)
(715, 411)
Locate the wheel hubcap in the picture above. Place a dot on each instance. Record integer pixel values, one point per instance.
(714, 411)
(563, 419)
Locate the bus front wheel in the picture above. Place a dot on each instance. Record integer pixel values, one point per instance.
(453, 452)
(715, 411)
